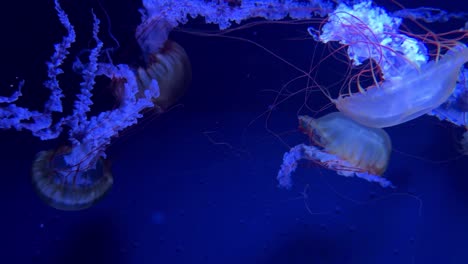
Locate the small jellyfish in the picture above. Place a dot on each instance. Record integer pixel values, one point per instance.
(65, 188)
(165, 60)
(170, 66)
(342, 145)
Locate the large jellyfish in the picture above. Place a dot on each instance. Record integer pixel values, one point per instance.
(407, 86)
(342, 145)
(406, 97)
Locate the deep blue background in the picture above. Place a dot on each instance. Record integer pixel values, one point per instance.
(197, 184)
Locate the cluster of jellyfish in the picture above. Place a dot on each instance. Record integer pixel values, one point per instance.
(66, 185)
(351, 141)
(410, 84)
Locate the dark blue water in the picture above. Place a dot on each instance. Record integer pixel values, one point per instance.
(197, 184)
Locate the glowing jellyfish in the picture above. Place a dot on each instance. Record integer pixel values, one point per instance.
(406, 97)
(342, 145)
(405, 84)
(69, 188)
(170, 66)
(166, 62)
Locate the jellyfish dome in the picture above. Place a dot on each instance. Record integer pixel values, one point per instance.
(404, 98)
(69, 188)
(407, 78)
(342, 145)
(171, 67)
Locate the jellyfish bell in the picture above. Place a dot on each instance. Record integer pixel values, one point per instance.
(69, 188)
(366, 149)
(342, 145)
(171, 67)
(404, 98)
(166, 61)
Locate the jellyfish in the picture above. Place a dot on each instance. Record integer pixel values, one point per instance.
(165, 61)
(406, 84)
(77, 174)
(69, 188)
(170, 66)
(406, 97)
(75, 184)
(342, 145)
